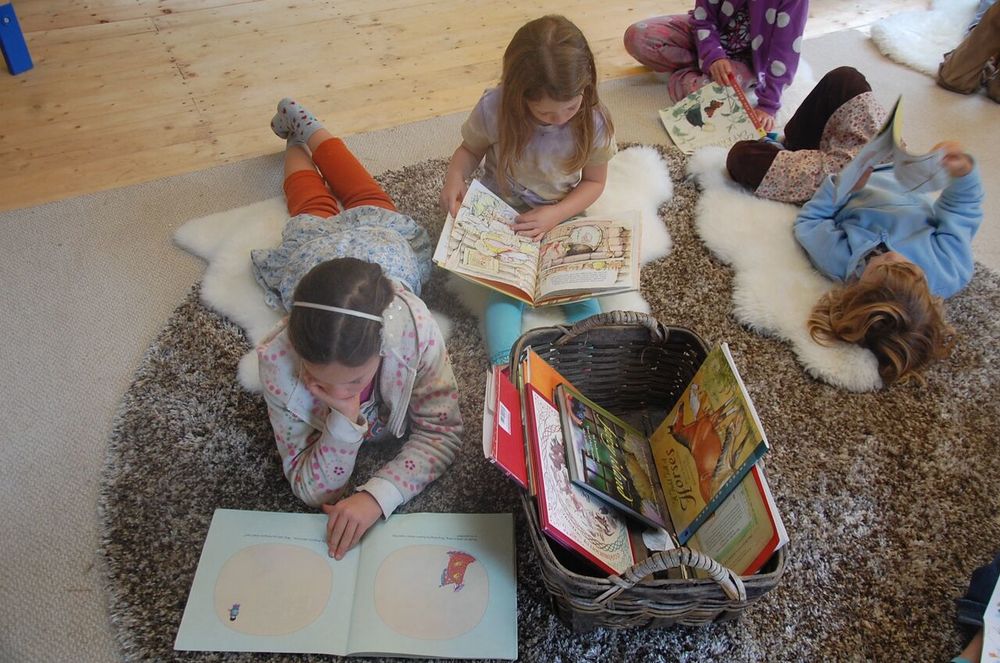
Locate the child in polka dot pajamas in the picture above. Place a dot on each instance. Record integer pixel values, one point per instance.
(758, 41)
(359, 359)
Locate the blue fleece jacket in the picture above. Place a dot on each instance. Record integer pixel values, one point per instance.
(936, 237)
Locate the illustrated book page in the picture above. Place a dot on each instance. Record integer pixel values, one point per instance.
(568, 514)
(991, 628)
(586, 256)
(746, 529)
(918, 173)
(610, 458)
(707, 443)
(418, 585)
(479, 244)
(573, 261)
(711, 115)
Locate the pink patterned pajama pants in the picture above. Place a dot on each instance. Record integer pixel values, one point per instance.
(667, 44)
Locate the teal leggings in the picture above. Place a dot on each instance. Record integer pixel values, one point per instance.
(503, 322)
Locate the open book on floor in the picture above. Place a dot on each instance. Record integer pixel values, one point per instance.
(711, 115)
(576, 260)
(418, 585)
(918, 173)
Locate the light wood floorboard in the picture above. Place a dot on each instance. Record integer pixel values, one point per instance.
(126, 91)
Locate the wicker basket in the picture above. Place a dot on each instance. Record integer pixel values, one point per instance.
(637, 368)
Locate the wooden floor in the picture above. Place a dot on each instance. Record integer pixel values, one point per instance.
(126, 91)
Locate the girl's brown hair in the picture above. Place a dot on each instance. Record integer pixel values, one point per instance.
(324, 337)
(548, 57)
(893, 314)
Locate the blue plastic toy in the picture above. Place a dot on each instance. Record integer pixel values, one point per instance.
(15, 50)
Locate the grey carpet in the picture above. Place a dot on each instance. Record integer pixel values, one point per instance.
(889, 498)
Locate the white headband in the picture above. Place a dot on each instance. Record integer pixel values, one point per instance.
(335, 309)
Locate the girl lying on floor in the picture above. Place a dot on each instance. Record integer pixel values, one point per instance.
(897, 255)
(359, 357)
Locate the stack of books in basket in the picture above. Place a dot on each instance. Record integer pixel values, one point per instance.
(613, 491)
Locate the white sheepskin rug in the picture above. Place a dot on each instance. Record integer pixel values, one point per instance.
(638, 179)
(774, 286)
(919, 39)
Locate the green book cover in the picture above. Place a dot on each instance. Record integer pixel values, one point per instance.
(707, 443)
(610, 458)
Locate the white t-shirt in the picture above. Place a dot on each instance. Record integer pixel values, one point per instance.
(539, 177)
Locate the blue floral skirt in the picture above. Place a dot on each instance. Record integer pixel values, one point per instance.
(373, 234)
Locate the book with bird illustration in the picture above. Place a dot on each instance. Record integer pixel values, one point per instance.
(418, 585)
(711, 115)
(707, 443)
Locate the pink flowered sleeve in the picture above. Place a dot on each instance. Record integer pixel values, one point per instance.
(317, 445)
(435, 426)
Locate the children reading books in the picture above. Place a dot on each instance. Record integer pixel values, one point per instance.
(359, 357)
(897, 255)
(547, 140)
(758, 42)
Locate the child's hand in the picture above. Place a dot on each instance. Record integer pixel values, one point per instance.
(764, 119)
(349, 407)
(452, 195)
(955, 160)
(348, 520)
(538, 221)
(720, 71)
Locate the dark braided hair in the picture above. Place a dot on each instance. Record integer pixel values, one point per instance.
(324, 337)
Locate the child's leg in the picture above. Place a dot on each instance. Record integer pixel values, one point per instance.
(347, 178)
(749, 160)
(503, 325)
(805, 129)
(305, 190)
(350, 181)
(663, 43)
(577, 311)
(962, 69)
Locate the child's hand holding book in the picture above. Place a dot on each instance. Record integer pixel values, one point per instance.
(954, 158)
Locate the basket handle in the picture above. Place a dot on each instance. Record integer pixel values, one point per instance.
(730, 583)
(656, 330)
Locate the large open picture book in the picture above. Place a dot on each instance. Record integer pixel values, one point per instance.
(423, 584)
(577, 259)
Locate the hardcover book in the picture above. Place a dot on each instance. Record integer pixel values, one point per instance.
(576, 260)
(570, 515)
(421, 584)
(918, 173)
(610, 458)
(746, 529)
(503, 437)
(711, 115)
(707, 443)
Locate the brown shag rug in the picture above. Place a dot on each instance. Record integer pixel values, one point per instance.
(890, 499)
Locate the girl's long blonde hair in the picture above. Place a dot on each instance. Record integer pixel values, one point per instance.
(893, 314)
(548, 57)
